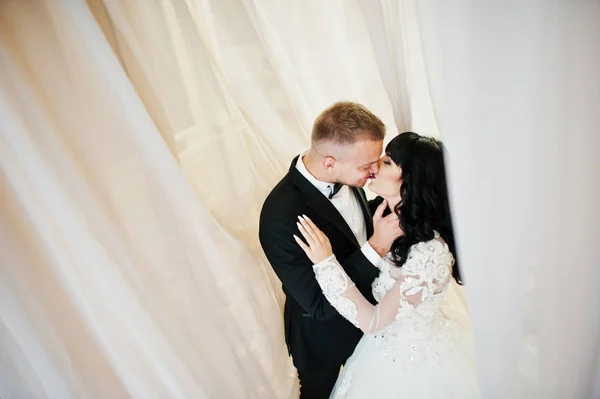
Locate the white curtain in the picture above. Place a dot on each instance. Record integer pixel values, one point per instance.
(394, 29)
(516, 93)
(137, 142)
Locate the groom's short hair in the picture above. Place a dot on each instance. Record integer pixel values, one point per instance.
(346, 122)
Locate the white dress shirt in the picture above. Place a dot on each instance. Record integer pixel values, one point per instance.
(348, 206)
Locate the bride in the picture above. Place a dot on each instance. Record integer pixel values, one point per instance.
(411, 347)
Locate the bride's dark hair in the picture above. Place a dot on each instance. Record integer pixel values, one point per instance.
(424, 206)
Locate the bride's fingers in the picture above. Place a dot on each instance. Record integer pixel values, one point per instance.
(379, 212)
(304, 247)
(310, 229)
(307, 236)
(317, 231)
(310, 222)
(322, 237)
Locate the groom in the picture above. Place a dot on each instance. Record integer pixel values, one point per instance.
(325, 183)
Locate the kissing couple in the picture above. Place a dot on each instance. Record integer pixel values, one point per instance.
(365, 280)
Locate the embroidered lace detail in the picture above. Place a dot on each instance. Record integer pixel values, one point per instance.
(383, 283)
(334, 283)
(411, 352)
(420, 330)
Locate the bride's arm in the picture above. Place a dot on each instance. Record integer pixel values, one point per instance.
(417, 281)
(343, 295)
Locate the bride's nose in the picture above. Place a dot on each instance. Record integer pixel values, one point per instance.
(379, 163)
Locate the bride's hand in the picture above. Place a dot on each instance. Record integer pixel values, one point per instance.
(319, 247)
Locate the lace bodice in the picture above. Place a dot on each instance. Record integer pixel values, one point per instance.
(411, 294)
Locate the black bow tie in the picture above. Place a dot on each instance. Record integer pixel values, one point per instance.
(336, 187)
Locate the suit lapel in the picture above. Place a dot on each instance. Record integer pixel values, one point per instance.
(364, 206)
(316, 200)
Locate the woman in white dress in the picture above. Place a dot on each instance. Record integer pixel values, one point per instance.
(411, 347)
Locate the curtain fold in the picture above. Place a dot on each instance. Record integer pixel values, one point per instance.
(398, 49)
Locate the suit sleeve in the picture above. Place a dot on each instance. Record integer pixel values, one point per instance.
(294, 269)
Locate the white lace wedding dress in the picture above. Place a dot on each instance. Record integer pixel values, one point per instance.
(411, 347)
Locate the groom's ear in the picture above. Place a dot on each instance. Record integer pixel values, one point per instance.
(329, 162)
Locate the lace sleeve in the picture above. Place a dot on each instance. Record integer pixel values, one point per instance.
(426, 272)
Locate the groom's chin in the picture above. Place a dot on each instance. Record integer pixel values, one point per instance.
(362, 183)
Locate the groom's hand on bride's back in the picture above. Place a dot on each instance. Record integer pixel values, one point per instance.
(386, 230)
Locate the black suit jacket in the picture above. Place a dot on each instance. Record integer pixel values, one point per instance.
(316, 335)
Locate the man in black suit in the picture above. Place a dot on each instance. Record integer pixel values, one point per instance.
(325, 183)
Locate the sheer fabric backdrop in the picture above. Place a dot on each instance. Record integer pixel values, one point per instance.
(138, 140)
(516, 93)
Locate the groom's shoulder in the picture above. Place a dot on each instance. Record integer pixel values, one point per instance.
(283, 197)
(286, 189)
